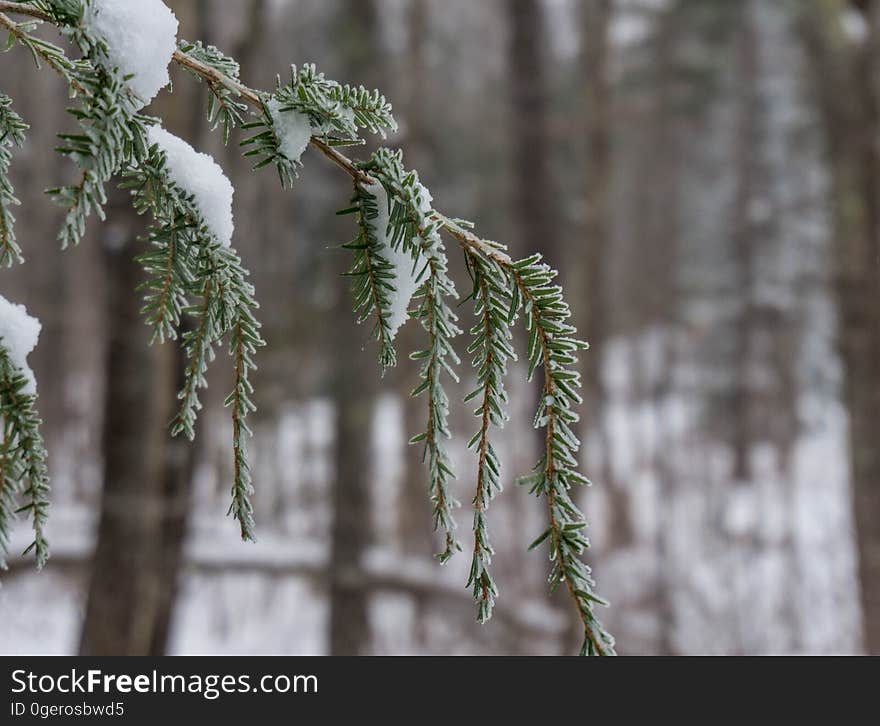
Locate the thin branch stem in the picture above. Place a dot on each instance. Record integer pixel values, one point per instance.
(29, 10)
(23, 38)
(465, 238)
(549, 390)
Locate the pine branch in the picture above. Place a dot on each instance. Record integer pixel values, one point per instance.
(502, 289)
(199, 348)
(465, 238)
(334, 113)
(372, 273)
(23, 468)
(41, 51)
(413, 227)
(213, 272)
(168, 279)
(552, 347)
(491, 349)
(12, 133)
(224, 107)
(245, 339)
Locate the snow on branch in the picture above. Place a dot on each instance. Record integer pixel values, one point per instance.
(12, 131)
(139, 38)
(19, 333)
(400, 265)
(199, 175)
(23, 473)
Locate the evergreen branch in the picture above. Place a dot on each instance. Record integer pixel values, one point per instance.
(112, 138)
(372, 274)
(502, 288)
(552, 347)
(168, 279)
(199, 348)
(413, 228)
(332, 112)
(41, 51)
(465, 238)
(491, 349)
(245, 338)
(224, 107)
(12, 133)
(22, 460)
(215, 273)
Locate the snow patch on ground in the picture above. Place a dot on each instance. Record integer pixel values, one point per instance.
(201, 176)
(141, 38)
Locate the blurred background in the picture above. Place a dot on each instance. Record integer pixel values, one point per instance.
(706, 176)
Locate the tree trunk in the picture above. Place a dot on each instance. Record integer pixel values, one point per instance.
(126, 590)
(414, 509)
(847, 87)
(534, 208)
(860, 296)
(354, 397)
(596, 23)
(533, 204)
(745, 148)
(147, 493)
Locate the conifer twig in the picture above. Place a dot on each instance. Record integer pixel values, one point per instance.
(515, 285)
(465, 238)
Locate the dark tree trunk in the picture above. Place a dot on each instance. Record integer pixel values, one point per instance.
(745, 149)
(663, 257)
(533, 204)
(354, 396)
(146, 498)
(847, 87)
(860, 295)
(414, 510)
(126, 591)
(533, 210)
(596, 23)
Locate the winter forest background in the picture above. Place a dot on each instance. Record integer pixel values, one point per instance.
(706, 176)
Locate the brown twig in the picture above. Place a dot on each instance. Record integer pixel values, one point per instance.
(465, 238)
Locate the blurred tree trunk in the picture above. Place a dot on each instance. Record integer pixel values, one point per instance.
(354, 398)
(848, 86)
(862, 336)
(147, 488)
(534, 210)
(414, 510)
(662, 304)
(128, 577)
(533, 201)
(181, 454)
(596, 23)
(745, 149)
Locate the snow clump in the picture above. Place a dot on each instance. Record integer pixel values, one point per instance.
(19, 333)
(406, 272)
(141, 37)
